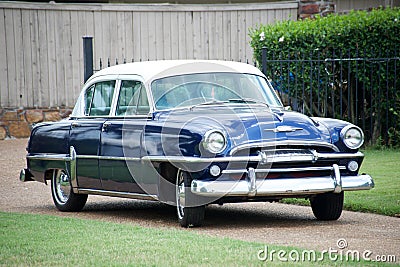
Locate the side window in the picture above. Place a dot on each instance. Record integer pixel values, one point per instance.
(88, 99)
(132, 99)
(98, 98)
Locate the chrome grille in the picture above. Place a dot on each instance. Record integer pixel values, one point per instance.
(285, 161)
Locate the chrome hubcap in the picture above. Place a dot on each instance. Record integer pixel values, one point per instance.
(62, 187)
(180, 194)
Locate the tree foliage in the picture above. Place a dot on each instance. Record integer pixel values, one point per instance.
(343, 66)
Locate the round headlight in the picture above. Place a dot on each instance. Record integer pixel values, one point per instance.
(214, 141)
(352, 137)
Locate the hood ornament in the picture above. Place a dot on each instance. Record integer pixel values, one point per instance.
(285, 129)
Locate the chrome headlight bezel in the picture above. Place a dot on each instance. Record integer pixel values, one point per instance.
(214, 141)
(352, 136)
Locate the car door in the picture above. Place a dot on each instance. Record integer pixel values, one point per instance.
(85, 132)
(120, 163)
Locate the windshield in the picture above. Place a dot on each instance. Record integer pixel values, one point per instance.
(195, 89)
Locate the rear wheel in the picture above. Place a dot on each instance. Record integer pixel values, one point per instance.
(189, 215)
(63, 196)
(327, 206)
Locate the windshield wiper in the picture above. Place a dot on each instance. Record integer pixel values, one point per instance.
(232, 100)
(213, 102)
(247, 100)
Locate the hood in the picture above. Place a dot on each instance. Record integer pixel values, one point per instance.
(244, 124)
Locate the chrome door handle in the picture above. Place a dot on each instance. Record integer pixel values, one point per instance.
(105, 126)
(74, 124)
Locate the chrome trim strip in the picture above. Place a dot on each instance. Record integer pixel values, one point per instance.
(66, 157)
(108, 158)
(281, 187)
(184, 159)
(117, 194)
(283, 143)
(279, 170)
(340, 155)
(259, 158)
(55, 157)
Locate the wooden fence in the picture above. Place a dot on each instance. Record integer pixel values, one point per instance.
(344, 6)
(41, 44)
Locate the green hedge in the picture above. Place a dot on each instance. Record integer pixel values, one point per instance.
(369, 90)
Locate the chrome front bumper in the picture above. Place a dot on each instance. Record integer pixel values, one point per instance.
(253, 187)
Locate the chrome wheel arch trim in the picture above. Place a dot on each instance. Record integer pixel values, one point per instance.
(62, 187)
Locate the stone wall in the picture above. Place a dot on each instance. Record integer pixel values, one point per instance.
(309, 8)
(17, 123)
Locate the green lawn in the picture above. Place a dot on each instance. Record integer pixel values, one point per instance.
(384, 167)
(41, 240)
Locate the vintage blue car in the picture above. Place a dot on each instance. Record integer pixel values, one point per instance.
(192, 133)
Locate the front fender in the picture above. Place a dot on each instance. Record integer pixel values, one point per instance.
(334, 127)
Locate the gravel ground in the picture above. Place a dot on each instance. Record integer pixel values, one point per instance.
(262, 222)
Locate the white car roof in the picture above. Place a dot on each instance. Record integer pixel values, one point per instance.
(152, 70)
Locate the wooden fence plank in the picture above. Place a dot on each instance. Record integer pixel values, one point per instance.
(137, 36)
(166, 35)
(98, 41)
(241, 35)
(189, 35)
(211, 23)
(11, 71)
(60, 58)
(43, 58)
(234, 44)
(105, 41)
(52, 58)
(174, 35)
(78, 29)
(3, 67)
(248, 51)
(226, 33)
(129, 45)
(181, 36)
(114, 48)
(68, 74)
(196, 35)
(27, 59)
(219, 54)
(159, 42)
(33, 17)
(19, 67)
(144, 36)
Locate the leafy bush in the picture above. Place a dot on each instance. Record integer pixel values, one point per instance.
(342, 66)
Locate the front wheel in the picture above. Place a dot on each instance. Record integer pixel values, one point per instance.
(63, 196)
(327, 206)
(189, 215)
